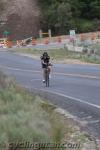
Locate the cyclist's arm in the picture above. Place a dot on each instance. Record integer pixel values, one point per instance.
(42, 62)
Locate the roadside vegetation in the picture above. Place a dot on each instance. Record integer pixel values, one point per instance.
(58, 15)
(25, 117)
(89, 55)
(64, 15)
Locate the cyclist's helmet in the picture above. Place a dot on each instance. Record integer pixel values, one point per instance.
(45, 55)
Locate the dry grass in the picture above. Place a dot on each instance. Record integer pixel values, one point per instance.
(61, 55)
(25, 117)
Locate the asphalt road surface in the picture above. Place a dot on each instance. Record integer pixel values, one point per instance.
(75, 88)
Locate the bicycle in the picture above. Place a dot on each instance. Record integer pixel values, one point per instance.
(47, 72)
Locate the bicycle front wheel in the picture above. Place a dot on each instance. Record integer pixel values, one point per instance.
(47, 79)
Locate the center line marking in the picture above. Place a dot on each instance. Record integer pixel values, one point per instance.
(55, 73)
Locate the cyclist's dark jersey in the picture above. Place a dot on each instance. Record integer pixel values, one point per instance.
(45, 60)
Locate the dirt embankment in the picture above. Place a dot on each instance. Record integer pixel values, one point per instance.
(22, 18)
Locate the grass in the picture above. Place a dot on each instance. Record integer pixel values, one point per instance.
(25, 117)
(64, 54)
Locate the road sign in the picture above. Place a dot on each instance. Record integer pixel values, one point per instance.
(72, 36)
(72, 33)
(6, 33)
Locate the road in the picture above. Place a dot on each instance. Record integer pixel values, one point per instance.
(75, 88)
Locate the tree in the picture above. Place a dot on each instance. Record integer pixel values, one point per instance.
(64, 17)
(95, 9)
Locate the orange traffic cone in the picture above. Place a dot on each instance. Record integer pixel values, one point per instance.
(34, 42)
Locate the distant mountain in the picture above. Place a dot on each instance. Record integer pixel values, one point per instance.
(21, 18)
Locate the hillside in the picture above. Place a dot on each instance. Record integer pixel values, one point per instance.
(21, 16)
(24, 18)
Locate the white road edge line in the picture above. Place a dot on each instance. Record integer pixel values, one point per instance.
(72, 98)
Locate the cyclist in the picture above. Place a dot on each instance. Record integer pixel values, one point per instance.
(45, 61)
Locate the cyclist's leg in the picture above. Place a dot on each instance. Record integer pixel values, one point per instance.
(50, 70)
